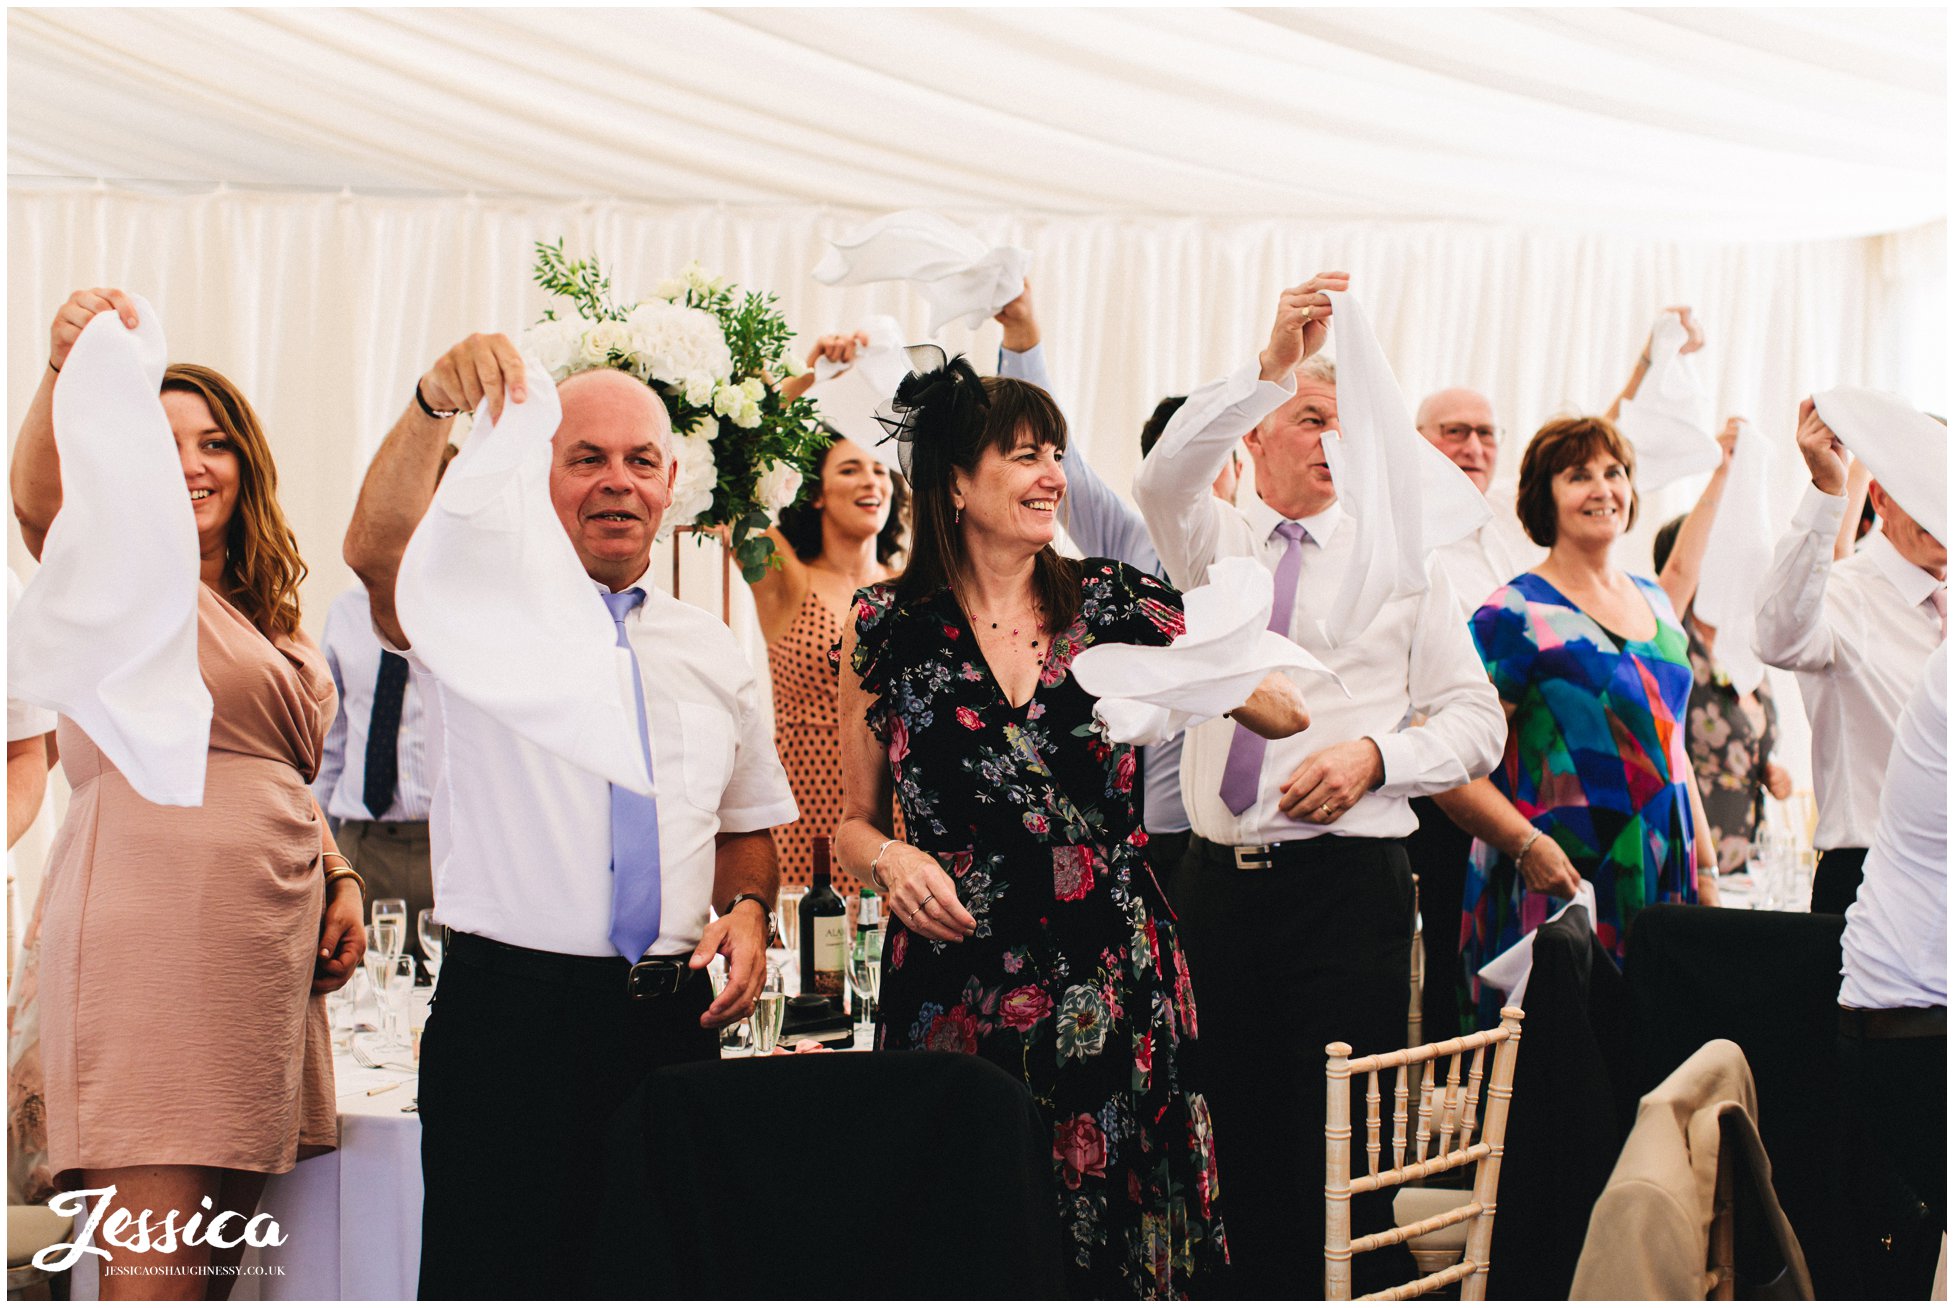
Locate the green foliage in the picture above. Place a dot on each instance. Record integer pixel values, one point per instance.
(582, 282)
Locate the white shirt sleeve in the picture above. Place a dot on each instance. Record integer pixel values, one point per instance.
(1172, 486)
(1794, 632)
(332, 761)
(757, 795)
(1463, 733)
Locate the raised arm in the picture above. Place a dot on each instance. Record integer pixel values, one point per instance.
(1172, 487)
(1094, 516)
(1684, 568)
(400, 481)
(1793, 629)
(36, 473)
(1641, 369)
(1858, 483)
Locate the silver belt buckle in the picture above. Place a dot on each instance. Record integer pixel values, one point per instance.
(1254, 858)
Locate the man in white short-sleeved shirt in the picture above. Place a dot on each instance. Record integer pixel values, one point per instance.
(543, 1027)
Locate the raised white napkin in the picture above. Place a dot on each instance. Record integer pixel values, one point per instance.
(106, 632)
(849, 394)
(1405, 498)
(1149, 693)
(956, 272)
(1736, 558)
(496, 603)
(1512, 969)
(1904, 449)
(1668, 420)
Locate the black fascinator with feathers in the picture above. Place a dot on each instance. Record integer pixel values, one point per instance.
(940, 400)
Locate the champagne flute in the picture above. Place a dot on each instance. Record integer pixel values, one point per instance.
(389, 935)
(789, 916)
(391, 911)
(769, 1011)
(865, 979)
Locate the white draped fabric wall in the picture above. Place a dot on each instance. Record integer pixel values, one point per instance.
(325, 308)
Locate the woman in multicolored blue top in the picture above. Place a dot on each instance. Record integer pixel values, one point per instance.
(1593, 670)
(1026, 928)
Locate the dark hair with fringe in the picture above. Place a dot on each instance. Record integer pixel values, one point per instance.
(951, 417)
(800, 522)
(262, 567)
(1567, 443)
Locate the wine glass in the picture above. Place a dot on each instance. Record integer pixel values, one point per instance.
(390, 910)
(430, 934)
(399, 993)
(865, 979)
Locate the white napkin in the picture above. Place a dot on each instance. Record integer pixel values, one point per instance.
(1904, 449)
(1511, 970)
(956, 272)
(496, 603)
(848, 394)
(1668, 420)
(1149, 693)
(106, 632)
(1406, 498)
(1737, 557)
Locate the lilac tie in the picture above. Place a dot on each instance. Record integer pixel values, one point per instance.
(1243, 772)
(635, 888)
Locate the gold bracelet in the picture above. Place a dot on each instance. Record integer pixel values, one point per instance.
(341, 874)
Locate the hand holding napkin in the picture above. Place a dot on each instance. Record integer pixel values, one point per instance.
(1904, 449)
(106, 632)
(498, 607)
(1405, 498)
(1738, 555)
(956, 272)
(849, 394)
(1668, 420)
(1150, 693)
(1510, 971)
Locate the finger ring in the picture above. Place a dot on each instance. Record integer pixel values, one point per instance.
(925, 904)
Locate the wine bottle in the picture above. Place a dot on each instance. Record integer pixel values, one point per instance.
(824, 932)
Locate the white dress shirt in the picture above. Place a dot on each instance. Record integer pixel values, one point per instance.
(1857, 633)
(1416, 657)
(353, 654)
(1895, 943)
(1479, 564)
(522, 840)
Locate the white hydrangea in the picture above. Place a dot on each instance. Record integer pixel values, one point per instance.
(776, 487)
(673, 344)
(739, 404)
(556, 344)
(697, 475)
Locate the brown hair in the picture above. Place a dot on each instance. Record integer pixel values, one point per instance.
(262, 567)
(936, 555)
(1567, 443)
(800, 522)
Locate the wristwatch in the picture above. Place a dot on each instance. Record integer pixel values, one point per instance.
(772, 926)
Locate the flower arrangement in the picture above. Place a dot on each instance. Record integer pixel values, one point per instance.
(711, 354)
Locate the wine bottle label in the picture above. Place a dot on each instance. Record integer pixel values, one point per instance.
(830, 954)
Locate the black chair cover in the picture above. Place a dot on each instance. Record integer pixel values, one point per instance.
(843, 1176)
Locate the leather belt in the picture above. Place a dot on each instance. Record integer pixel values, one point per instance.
(652, 977)
(1893, 1023)
(1254, 858)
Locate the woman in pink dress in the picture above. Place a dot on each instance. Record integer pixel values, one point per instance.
(184, 952)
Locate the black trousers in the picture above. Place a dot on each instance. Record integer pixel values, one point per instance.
(1283, 962)
(1835, 882)
(521, 1072)
(1439, 850)
(1165, 850)
(1898, 1091)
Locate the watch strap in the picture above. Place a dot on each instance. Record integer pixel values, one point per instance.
(765, 908)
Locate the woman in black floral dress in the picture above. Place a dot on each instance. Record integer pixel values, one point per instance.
(1026, 926)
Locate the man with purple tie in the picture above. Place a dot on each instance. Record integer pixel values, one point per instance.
(579, 911)
(1295, 893)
